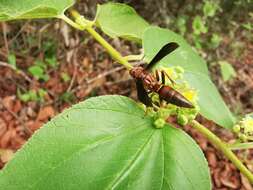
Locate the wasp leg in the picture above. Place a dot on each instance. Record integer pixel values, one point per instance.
(165, 74)
(142, 94)
(157, 75)
(163, 77)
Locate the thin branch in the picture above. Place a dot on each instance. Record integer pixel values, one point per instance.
(102, 75)
(5, 38)
(111, 71)
(3, 64)
(74, 73)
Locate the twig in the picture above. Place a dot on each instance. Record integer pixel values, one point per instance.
(99, 77)
(105, 74)
(5, 38)
(3, 64)
(19, 32)
(74, 73)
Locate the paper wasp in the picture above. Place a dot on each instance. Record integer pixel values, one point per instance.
(147, 82)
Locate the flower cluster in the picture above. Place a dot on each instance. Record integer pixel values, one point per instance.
(164, 110)
(244, 128)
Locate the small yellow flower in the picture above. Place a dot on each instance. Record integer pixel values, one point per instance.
(191, 95)
(247, 124)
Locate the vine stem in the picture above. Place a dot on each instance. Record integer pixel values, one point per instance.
(224, 148)
(83, 24)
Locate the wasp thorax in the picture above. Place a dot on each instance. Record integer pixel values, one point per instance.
(136, 72)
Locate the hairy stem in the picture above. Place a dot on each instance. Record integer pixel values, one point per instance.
(111, 50)
(224, 148)
(70, 22)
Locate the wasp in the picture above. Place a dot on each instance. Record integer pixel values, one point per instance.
(147, 82)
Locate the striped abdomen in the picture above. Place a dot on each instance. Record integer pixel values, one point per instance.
(172, 96)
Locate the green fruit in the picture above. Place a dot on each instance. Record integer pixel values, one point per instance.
(159, 123)
(236, 129)
(243, 137)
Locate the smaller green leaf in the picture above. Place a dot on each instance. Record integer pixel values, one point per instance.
(120, 20)
(28, 9)
(215, 41)
(198, 26)
(33, 95)
(227, 70)
(42, 93)
(248, 26)
(68, 97)
(65, 77)
(210, 8)
(23, 97)
(52, 61)
(181, 24)
(38, 72)
(12, 60)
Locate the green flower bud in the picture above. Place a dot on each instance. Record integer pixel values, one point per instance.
(192, 117)
(182, 119)
(236, 129)
(243, 137)
(159, 123)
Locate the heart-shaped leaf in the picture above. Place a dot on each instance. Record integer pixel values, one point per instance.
(28, 9)
(196, 73)
(120, 20)
(107, 143)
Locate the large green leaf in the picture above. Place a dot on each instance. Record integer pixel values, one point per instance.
(196, 73)
(120, 20)
(27, 9)
(107, 143)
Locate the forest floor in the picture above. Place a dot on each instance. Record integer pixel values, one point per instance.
(76, 67)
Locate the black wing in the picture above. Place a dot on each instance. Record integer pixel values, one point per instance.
(142, 93)
(165, 50)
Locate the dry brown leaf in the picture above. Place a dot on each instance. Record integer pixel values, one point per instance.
(6, 155)
(46, 113)
(8, 102)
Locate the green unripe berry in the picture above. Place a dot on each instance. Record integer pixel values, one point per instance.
(192, 117)
(243, 137)
(236, 129)
(182, 120)
(159, 123)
